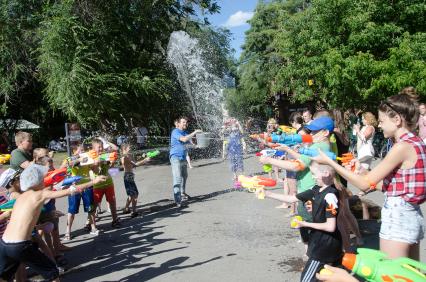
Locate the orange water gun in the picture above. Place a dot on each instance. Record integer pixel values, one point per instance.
(55, 176)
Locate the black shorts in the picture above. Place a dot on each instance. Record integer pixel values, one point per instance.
(130, 185)
(27, 252)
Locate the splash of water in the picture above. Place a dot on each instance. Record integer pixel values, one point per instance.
(203, 88)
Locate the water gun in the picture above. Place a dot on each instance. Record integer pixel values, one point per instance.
(55, 176)
(373, 266)
(70, 180)
(288, 140)
(294, 223)
(4, 158)
(8, 206)
(287, 129)
(344, 159)
(90, 157)
(255, 182)
(152, 154)
(270, 153)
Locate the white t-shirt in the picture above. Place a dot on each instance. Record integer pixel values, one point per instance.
(141, 133)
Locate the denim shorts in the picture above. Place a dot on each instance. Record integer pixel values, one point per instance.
(401, 221)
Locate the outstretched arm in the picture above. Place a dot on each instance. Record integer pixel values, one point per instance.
(49, 194)
(284, 164)
(396, 156)
(280, 197)
(328, 226)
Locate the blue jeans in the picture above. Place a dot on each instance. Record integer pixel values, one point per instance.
(180, 174)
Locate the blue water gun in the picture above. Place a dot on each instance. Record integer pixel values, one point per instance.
(70, 180)
(314, 152)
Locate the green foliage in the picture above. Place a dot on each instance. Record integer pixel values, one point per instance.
(97, 62)
(355, 52)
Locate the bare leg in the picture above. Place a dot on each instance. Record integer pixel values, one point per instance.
(70, 220)
(113, 208)
(92, 220)
(134, 202)
(415, 252)
(396, 249)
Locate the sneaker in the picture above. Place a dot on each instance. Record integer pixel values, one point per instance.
(185, 197)
(61, 270)
(94, 232)
(178, 205)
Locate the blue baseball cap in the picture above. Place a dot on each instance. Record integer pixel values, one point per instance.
(321, 123)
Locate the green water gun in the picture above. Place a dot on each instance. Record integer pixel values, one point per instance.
(373, 266)
(152, 154)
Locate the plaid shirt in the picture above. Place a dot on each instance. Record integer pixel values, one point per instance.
(410, 184)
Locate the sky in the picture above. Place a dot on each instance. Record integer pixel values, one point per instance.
(234, 15)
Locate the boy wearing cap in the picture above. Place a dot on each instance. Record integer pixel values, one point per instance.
(320, 129)
(16, 245)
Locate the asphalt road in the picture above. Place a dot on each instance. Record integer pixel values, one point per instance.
(223, 235)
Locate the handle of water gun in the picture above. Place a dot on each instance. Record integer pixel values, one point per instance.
(334, 274)
(255, 187)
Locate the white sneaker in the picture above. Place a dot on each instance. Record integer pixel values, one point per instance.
(94, 232)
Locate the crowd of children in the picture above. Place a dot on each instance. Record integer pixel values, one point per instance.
(321, 197)
(314, 187)
(30, 228)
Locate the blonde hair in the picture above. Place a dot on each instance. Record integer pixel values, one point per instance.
(22, 136)
(322, 113)
(370, 118)
(272, 121)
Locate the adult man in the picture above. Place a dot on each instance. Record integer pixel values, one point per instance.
(307, 116)
(21, 157)
(422, 122)
(178, 140)
(141, 134)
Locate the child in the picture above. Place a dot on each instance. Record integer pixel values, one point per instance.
(236, 147)
(86, 196)
(129, 179)
(403, 173)
(325, 241)
(320, 130)
(21, 156)
(107, 187)
(16, 245)
(41, 157)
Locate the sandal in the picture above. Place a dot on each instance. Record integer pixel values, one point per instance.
(116, 223)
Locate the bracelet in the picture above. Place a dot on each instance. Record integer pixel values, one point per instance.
(372, 185)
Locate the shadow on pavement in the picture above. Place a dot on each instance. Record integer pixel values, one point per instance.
(124, 248)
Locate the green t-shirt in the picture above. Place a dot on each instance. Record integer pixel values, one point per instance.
(82, 171)
(305, 181)
(18, 157)
(104, 171)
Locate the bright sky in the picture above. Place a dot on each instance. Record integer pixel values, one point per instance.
(234, 15)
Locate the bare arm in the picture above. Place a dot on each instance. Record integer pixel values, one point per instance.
(142, 162)
(49, 194)
(328, 226)
(25, 164)
(281, 197)
(5, 216)
(188, 137)
(284, 164)
(396, 156)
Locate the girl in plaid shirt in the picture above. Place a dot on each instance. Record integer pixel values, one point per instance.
(402, 176)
